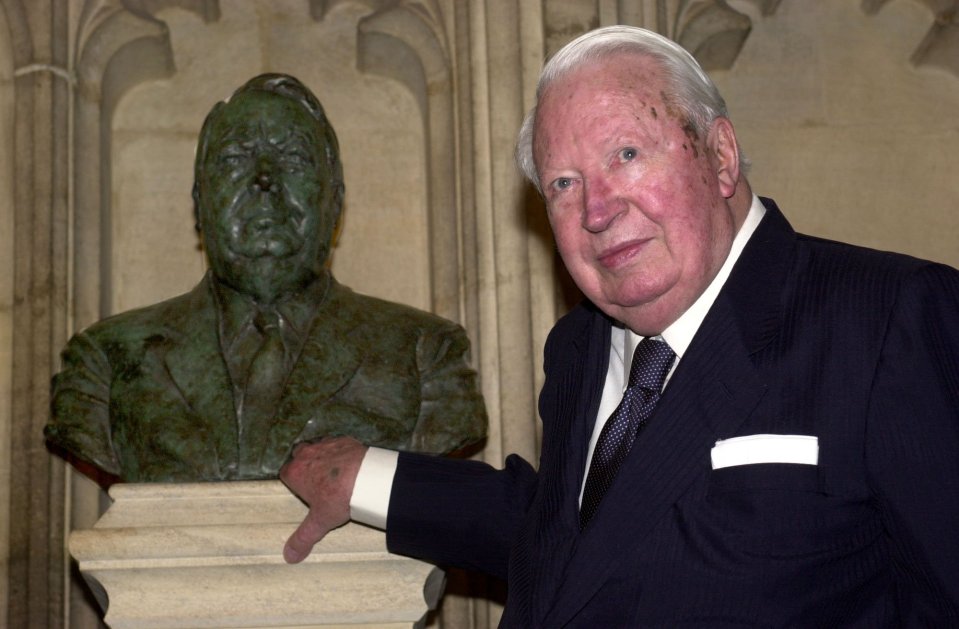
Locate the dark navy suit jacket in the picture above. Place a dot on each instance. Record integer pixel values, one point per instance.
(856, 347)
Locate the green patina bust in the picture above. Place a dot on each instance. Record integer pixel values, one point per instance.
(268, 349)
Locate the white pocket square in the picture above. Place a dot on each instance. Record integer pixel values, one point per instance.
(751, 449)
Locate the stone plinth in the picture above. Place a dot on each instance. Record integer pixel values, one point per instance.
(210, 555)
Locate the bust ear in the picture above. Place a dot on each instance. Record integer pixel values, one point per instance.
(724, 151)
(339, 192)
(196, 205)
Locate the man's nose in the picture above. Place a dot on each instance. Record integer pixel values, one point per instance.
(601, 205)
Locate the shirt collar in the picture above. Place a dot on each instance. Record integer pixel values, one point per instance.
(680, 334)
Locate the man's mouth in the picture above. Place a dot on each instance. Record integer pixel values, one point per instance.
(622, 253)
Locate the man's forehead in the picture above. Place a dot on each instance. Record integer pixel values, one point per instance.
(583, 95)
(619, 73)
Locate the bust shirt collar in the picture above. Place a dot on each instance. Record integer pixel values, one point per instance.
(236, 311)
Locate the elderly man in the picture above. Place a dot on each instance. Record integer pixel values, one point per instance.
(742, 426)
(268, 349)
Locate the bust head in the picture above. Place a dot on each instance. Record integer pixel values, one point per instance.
(268, 188)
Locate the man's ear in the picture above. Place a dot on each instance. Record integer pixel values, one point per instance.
(724, 151)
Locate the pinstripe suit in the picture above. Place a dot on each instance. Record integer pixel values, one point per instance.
(855, 347)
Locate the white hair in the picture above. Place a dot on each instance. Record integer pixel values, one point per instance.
(688, 87)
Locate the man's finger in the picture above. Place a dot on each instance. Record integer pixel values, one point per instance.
(322, 474)
(301, 542)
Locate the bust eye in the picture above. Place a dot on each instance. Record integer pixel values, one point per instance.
(628, 154)
(232, 157)
(295, 160)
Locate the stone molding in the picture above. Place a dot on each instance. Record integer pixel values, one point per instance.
(713, 31)
(209, 555)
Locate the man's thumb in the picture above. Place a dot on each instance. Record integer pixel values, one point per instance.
(301, 542)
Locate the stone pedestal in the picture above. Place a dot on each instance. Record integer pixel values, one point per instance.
(210, 555)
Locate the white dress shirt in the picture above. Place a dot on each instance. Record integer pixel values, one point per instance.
(371, 494)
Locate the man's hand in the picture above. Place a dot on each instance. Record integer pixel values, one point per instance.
(322, 474)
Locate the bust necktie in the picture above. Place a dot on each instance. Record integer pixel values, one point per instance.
(651, 362)
(264, 382)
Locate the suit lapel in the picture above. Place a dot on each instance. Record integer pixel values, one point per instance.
(713, 390)
(702, 400)
(556, 528)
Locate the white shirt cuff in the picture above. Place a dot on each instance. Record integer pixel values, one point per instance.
(370, 501)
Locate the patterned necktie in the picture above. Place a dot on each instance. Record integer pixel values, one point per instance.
(651, 362)
(264, 384)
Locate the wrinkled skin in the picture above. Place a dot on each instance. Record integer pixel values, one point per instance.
(323, 475)
(643, 210)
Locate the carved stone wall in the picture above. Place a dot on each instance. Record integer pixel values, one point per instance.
(855, 141)
(6, 301)
(848, 109)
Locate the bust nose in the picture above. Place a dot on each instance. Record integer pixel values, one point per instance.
(263, 181)
(263, 177)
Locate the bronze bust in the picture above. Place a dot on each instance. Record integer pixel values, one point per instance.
(268, 349)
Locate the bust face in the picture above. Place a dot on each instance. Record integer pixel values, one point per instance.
(265, 196)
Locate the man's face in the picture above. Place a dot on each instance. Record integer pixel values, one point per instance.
(265, 196)
(636, 200)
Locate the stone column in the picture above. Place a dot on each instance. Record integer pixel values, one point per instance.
(36, 87)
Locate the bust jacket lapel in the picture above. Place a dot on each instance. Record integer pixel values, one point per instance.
(194, 358)
(195, 364)
(328, 361)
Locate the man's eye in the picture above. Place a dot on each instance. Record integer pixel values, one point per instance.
(562, 183)
(628, 154)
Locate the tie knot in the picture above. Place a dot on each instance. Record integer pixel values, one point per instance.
(267, 321)
(651, 362)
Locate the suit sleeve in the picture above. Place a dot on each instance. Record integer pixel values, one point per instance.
(80, 424)
(452, 414)
(458, 513)
(912, 445)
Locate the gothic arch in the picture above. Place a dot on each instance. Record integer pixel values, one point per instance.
(940, 47)
(119, 45)
(408, 42)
